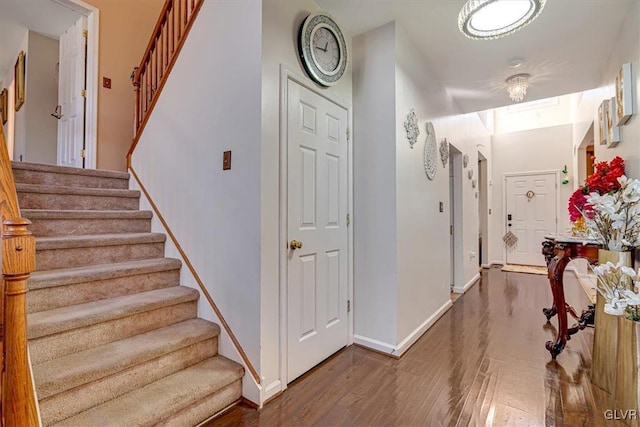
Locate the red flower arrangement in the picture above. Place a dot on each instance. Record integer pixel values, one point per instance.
(602, 181)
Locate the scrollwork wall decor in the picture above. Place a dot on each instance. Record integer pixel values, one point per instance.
(444, 152)
(411, 126)
(465, 160)
(430, 152)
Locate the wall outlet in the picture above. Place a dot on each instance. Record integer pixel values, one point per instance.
(472, 255)
(441, 207)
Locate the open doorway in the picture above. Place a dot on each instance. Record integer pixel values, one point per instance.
(455, 220)
(33, 134)
(483, 212)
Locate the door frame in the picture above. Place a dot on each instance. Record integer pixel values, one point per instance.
(91, 112)
(285, 76)
(504, 199)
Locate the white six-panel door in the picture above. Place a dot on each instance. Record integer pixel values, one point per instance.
(71, 84)
(532, 204)
(317, 209)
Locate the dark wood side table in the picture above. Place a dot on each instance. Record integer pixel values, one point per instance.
(558, 252)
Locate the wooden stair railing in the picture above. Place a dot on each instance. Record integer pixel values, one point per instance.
(18, 398)
(167, 39)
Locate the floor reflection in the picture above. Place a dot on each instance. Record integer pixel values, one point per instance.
(482, 363)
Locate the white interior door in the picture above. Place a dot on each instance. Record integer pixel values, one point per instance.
(531, 213)
(317, 210)
(71, 85)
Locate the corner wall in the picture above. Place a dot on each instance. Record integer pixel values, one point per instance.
(399, 295)
(125, 29)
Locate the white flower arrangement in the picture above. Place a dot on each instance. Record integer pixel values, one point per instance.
(614, 218)
(619, 286)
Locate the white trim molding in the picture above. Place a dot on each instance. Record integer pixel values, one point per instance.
(465, 288)
(405, 344)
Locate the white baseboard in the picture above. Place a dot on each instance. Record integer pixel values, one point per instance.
(376, 345)
(420, 330)
(465, 288)
(271, 390)
(406, 343)
(497, 262)
(486, 265)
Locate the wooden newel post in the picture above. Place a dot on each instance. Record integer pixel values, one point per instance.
(18, 261)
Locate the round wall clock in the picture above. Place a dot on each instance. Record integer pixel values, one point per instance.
(322, 49)
(430, 152)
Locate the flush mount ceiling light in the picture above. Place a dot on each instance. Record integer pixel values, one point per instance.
(517, 86)
(490, 19)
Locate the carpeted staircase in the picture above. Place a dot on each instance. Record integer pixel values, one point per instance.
(114, 339)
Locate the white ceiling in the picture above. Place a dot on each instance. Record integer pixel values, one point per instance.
(564, 49)
(17, 16)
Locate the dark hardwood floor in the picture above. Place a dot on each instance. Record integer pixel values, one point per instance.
(483, 363)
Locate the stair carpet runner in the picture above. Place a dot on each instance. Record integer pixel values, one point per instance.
(114, 339)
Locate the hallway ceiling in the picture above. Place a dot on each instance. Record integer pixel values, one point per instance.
(564, 49)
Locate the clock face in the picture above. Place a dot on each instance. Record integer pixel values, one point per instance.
(325, 50)
(322, 48)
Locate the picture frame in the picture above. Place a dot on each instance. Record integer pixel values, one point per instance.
(602, 122)
(19, 77)
(613, 130)
(4, 105)
(624, 94)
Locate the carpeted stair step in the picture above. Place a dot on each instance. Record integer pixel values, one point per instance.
(79, 381)
(51, 289)
(34, 173)
(185, 398)
(32, 196)
(76, 251)
(56, 333)
(46, 223)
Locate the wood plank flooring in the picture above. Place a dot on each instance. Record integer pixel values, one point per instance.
(483, 363)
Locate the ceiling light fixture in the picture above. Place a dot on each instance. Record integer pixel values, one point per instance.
(517, 86)
(491, 19)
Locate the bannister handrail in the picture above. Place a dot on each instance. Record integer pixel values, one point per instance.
(168, 37)
(18, 396)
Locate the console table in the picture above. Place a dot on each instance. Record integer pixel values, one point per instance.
(559, 251)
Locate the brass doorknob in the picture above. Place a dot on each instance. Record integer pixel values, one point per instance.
(294, 244)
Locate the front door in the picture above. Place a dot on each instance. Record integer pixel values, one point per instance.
(531, 213)
(317, 219)
(71, 95)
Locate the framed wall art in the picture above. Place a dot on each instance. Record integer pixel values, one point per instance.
(624, 94)
(19, 77)
(602, 121)
(4, 106)
(613, 130)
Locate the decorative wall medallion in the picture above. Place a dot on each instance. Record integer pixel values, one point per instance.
(430, 152)
(473, 183)
(444, 152)
(411, 126)
(465, 160)
(470, 173)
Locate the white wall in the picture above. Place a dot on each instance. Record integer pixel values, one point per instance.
(625, 49)
(281, 21)
(544, 149)
(374, 212)
(212, 103)
(41, 128)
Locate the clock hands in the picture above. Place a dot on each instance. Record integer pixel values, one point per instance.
(325, 47)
